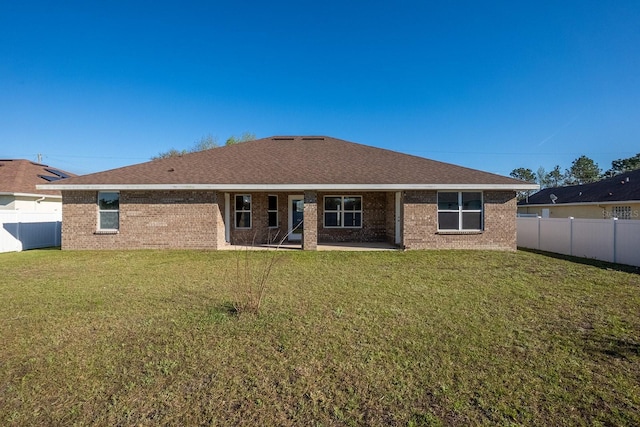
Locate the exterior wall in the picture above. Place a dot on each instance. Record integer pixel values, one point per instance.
(420, 229)
(374, 219)
(260, 232)
(148, 219)
(195, 219)
(375, 211)
(582, 211)
(29, 203)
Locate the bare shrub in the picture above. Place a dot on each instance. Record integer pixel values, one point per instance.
(251, 275)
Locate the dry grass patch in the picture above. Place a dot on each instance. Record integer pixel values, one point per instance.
(370, 338)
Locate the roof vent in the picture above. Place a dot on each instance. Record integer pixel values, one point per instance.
(313, 138)
(553, 198)
(171, 170)
(283, 138)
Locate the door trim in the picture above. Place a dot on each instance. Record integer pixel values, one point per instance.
(291, 236)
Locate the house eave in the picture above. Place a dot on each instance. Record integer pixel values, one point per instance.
(287, 187)
(611, 202)
(34, 195)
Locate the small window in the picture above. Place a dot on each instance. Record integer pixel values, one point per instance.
(621, 212)
(272, 211)
(108, 210)
(459, 211)
(343, 211)
(243, 211)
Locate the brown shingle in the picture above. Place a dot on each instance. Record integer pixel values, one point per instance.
(22, 176)
(293, 160)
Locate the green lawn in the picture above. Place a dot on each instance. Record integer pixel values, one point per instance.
(344, 338)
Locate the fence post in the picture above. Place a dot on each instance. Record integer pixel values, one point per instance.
(571, 235)
(538, 239)
(615, 253)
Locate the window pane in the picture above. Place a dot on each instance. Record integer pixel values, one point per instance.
(352, 219)
(331, 219)
(448, 220)
(471, 221)
(352, 204)
(243, 219)
(448, 201)
(332, 203)
(109, 220)
(273, 219)
(471, 201)
(273, 203)
(243, 202)
(108, 201)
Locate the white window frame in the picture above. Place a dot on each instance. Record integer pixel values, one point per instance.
(460, 211)
(101, 211)
(270, 211)
(341, 211)
(246, 211)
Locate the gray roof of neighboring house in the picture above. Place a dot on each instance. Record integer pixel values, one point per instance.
(620, 188)
(297, 162)
(21, 176)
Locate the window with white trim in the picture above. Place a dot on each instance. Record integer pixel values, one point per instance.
(108, 210)
(272, 211)
(460, 210)
(243, 211)
(343, 211)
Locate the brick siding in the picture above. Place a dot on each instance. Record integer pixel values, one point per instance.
(148, 219)
(420, 230)
(195, 219)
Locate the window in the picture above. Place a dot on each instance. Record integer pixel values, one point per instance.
(460, 210)
(621, 212)
(108, 210)
(343, 211)
(243, 211)
(272, 211)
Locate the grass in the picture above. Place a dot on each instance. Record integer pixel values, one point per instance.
(360, 338)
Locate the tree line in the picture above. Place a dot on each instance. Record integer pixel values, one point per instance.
(207, 142)
(583, 170)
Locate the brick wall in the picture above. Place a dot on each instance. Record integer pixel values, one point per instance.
(260, 232)
(420, 229)
(374, 220)
(148, 219)
(195, 219)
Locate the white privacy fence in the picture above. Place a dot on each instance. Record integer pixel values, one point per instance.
(613, 240)
(20, 230)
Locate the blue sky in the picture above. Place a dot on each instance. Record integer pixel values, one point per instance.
(95, 85)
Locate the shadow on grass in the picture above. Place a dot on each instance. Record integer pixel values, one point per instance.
(221, 312)
(613, 347)
(586, 261)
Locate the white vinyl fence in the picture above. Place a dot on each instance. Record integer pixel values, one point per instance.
(20, 230)
(613, 240)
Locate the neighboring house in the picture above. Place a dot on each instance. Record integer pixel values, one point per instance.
(617, 197)
(313, 189)
(18, 180)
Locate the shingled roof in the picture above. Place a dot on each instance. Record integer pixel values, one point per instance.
(19, 176)
(620, 188)
(292, 162)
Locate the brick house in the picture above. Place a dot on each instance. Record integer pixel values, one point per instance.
(313, 190)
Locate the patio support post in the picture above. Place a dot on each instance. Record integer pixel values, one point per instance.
(310, 224)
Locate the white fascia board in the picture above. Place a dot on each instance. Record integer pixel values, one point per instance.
(48, 196)
(288, 187)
